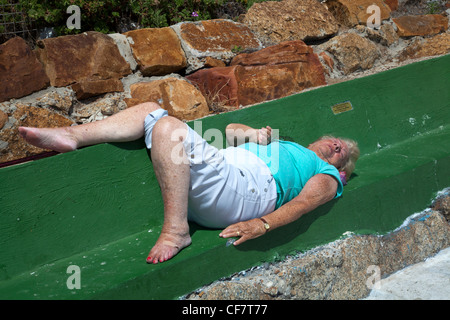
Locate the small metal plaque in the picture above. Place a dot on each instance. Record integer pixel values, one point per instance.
(342, 107)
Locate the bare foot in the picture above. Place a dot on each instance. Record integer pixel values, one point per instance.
(167, 247)
(57, 139)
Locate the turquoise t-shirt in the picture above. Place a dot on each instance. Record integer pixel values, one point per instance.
(292, 166)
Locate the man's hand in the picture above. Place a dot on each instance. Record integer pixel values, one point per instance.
(264, 135)
(246, 230)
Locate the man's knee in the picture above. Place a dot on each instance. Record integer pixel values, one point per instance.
(170, 128)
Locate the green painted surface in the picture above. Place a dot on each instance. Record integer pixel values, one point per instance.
(100, 207)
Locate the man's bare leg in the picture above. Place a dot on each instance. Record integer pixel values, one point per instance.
(127, 125)
(174, 177)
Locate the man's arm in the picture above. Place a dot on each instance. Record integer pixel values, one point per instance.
(238, 134)
(318, 190)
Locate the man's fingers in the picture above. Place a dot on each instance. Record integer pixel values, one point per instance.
(264, 135)
(239, 241)
(230, 231)
(243, 231)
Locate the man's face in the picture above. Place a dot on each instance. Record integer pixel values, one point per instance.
(333, 150)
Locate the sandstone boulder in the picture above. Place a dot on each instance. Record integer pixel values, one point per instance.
(386, 35)
(157, 51)
(13, 145)
(392, 4)
(89, 88)
(268, 74)
(353, 12)
(437, 45)
(180, 98)
(285, 52)
(21, 73)
(86, 56)
(275, 22)
(352, 52)
(264, 83)
(212, 63)
(425, 25)
(219, 39)
(219, 86)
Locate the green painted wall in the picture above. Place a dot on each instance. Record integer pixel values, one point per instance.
(100, 207)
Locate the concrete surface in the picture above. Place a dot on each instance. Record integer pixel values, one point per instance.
(427, 280)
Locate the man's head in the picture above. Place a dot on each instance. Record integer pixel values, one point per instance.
(339, 152)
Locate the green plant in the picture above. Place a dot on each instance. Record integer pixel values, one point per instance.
(98, 15)
(107, 15)
(434, 6)
(236, 49)
(162, 13)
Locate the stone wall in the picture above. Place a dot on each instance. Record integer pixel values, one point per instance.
(194, 69)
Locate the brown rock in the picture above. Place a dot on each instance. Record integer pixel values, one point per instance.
(212, 63)
(425, 25)
(20, 72)
(90, 88)
(219, 36)
(219, 39)
(386, 35)
(437, 45)
(263, 83)
(275, 22)
(291, 67)
(3, 119)
(352, 52)
(327, 60)
(157, 51)
(16, 146)
(90, 55)
(180, 98)
(285, 52)
(392, 4)
(353, 12)
(270, 73)
(219, 85)
(39, 117)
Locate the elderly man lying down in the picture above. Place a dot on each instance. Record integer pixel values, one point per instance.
(247, 189)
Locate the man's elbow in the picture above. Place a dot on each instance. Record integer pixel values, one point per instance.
(230, 134)
(231, 126)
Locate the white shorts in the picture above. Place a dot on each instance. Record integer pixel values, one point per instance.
(226, 186)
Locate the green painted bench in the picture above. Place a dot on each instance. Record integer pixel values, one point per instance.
(100, 208)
